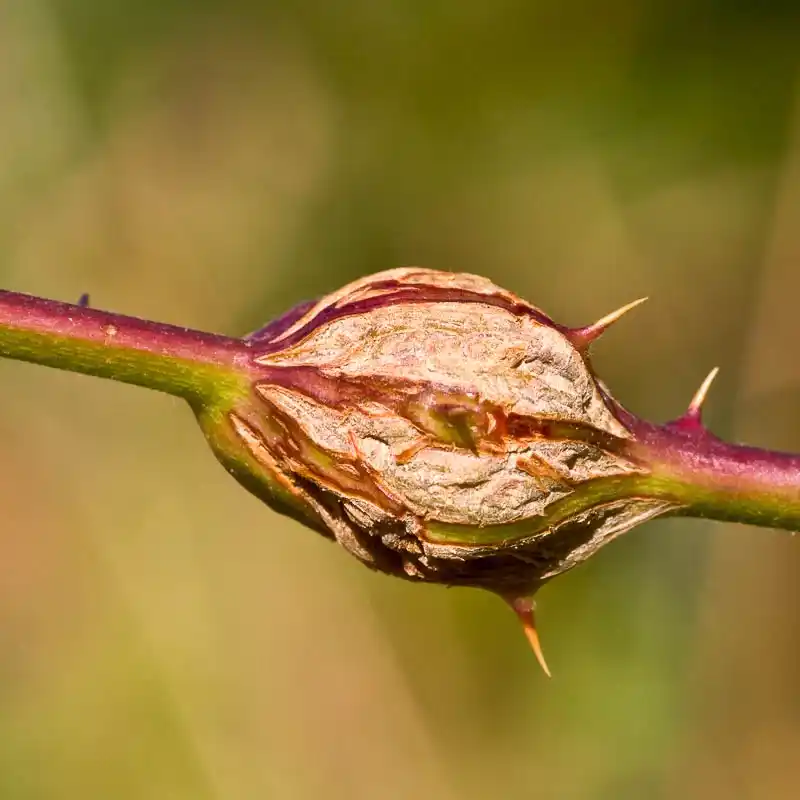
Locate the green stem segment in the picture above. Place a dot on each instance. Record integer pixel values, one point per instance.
(202, 368)
(714, 479)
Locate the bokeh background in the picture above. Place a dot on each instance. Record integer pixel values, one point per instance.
(209, 163)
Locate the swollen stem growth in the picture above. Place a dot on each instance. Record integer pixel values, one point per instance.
(438, 427)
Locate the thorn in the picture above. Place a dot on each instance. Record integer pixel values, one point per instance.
(524, 608)
(582, 338)
(695, 409)
(83, 300)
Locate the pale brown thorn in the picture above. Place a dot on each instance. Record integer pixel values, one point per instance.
(524, 609)
(582, 338)
(696, 406)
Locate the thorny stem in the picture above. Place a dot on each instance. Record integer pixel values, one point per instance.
(717, 480)
(202, 368)
(683, 464)
(688, 465)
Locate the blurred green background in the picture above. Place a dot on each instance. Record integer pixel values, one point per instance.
(208, 163)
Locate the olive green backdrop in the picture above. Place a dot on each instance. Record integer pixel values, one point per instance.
(209, 163)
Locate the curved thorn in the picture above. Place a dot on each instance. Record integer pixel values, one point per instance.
(83, 300)
(524, 609)
(696, 406)
(583, 337)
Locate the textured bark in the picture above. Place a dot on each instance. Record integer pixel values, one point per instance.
(415, 403)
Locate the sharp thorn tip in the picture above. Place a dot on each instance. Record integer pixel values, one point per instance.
(524, 609)
(583, 337)
(696, 406)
